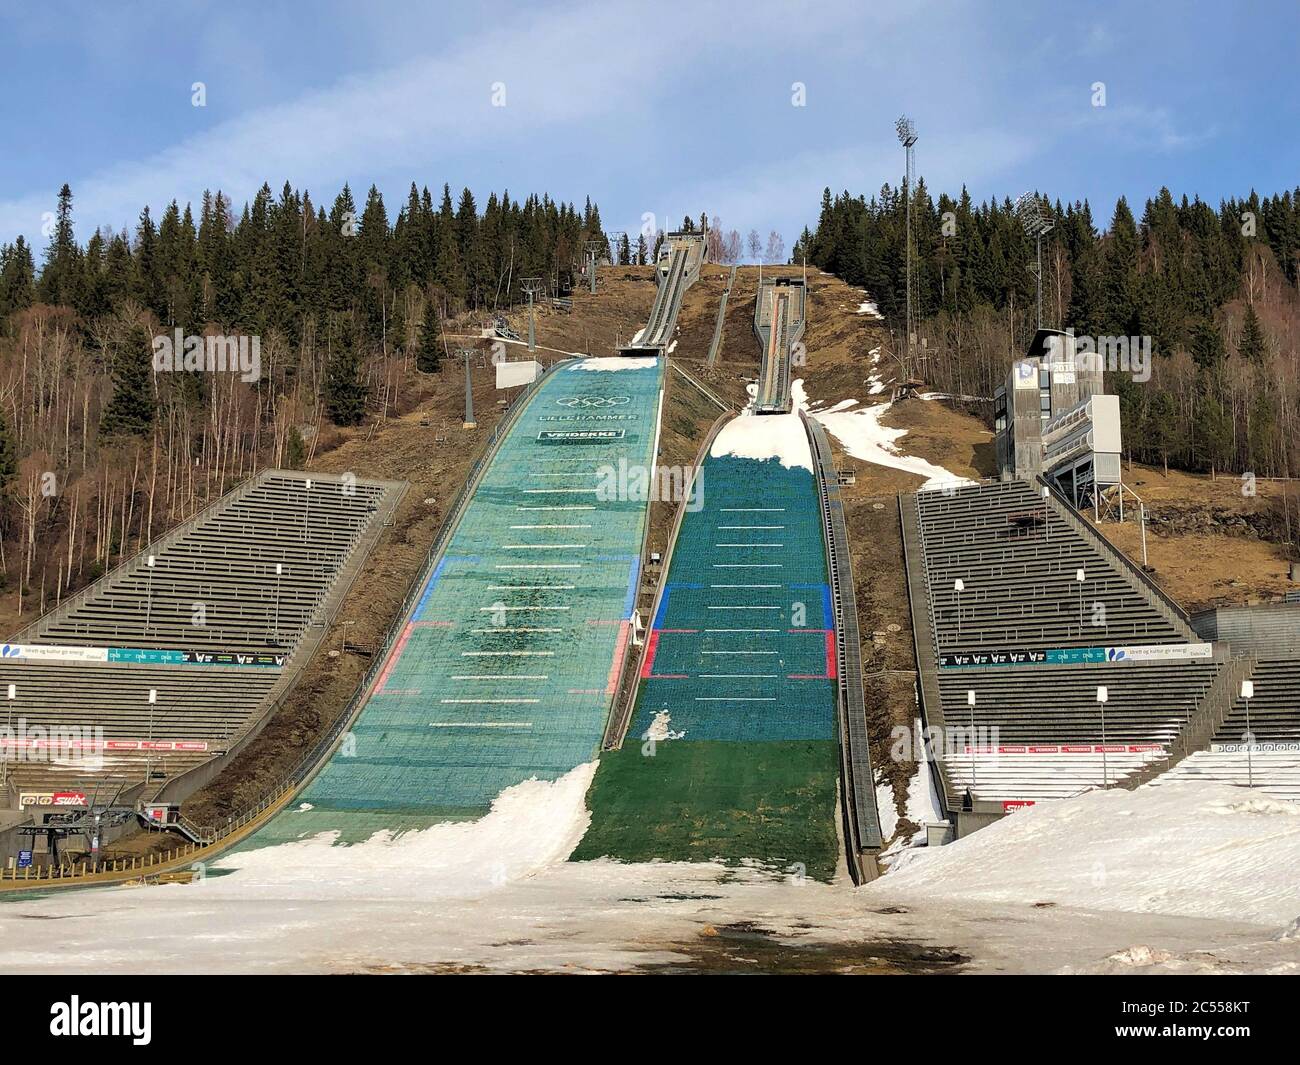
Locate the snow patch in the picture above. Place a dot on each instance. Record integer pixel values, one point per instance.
(765, 436)
(888, 810)
(659, 730)
(530, 826)
(612, 363)
(869, 308)
(1195, 849)
(863, 437)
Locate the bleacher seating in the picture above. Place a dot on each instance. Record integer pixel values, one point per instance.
(1041, 730)
(1018, 559)
(225, 563)
(1273, 763)
(200, 708)
(212, 591)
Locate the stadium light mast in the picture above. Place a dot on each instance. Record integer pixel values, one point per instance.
(1036, 223)
(531, 286)
(906, 130)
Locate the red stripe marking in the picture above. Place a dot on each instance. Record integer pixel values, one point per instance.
(616, 667)
(832, 667)
(652, 645)
(392, 659)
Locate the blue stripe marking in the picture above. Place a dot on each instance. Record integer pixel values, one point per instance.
(663, 602)
(435, 577)
(828, 611)
(630, 601)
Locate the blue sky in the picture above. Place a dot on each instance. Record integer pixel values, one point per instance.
(667, 108)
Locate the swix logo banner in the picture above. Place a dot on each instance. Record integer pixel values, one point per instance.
(52, 798)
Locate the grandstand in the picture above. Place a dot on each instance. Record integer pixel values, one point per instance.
(999, 610)
(1258, 742)
(175, 658)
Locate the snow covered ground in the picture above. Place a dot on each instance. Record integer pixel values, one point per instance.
(1195, 877)
(868, 307)
(860, 433)
(769, 436)
(606, 363)
(1201, 850)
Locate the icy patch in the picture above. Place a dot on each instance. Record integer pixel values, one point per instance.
(767, 436)
(659, 730)
(1141, 955)
(888, 810)
(303, 807)
(610, 363)
(923, 806)
(1256, 805)
(672, 347)
(1291, 931)
(862, 436)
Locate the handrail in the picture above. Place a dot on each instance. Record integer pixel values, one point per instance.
(705, 391)
(861, 814)
(716, 343)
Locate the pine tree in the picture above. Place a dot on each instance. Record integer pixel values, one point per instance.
(60, 282)
(1252, 345)
(345, 391)
(131, 410)
(295, 449)
(429, 357)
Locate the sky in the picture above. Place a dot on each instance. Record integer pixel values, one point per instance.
(744, 110)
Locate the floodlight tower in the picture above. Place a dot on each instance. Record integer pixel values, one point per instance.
(1036, 223)
(469, 423)
(906, 130)
(532, 286)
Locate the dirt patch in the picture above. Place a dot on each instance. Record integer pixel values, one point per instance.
(747, 948)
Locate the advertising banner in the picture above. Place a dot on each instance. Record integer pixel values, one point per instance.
(52, 798)
(49, 652)
(512, 374)
(579, 436)
(1070, 656)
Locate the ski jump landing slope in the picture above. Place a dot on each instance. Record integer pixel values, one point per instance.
(732, 752)
(507, 663)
